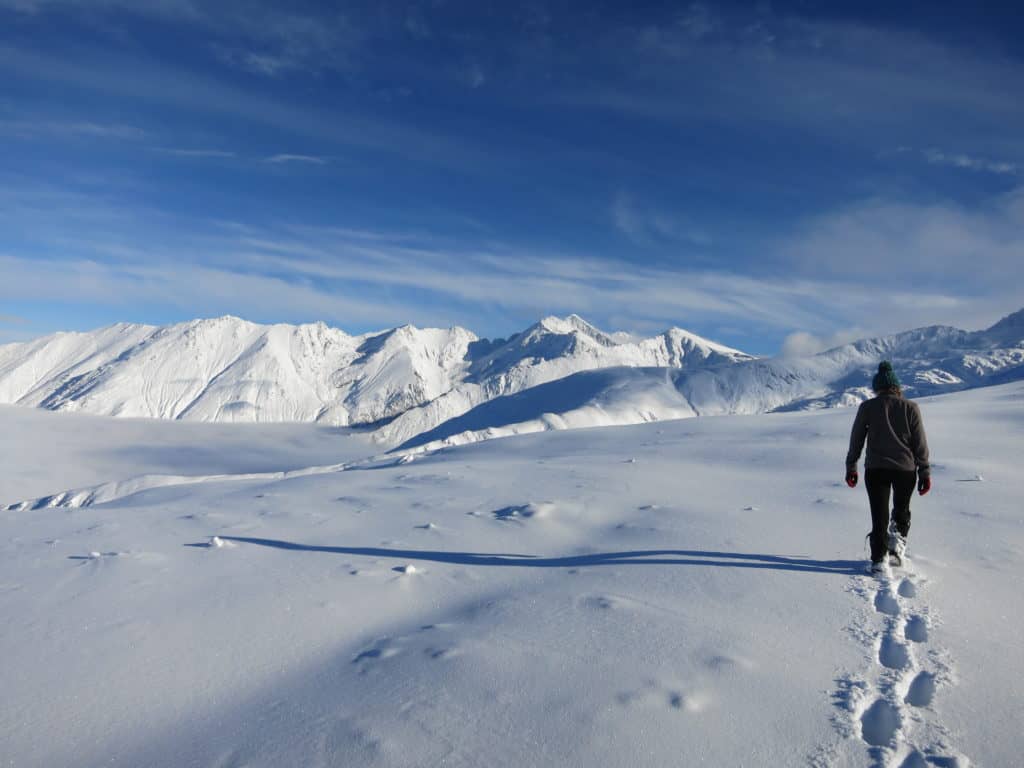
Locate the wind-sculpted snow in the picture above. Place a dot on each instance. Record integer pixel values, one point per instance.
(415, 386)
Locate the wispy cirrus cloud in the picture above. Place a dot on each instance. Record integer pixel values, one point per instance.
(646, 227)
(363, 280)
(151, 83)
(263, 38)
(35, 128)
(958, 160)
(180, 152)
(741, 65)
(290, 158)
(970, 162)
(167, 8)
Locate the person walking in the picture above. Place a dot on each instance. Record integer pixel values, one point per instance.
(896, 460)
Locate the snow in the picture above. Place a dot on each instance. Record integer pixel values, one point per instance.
(230, 370)
(665, 593)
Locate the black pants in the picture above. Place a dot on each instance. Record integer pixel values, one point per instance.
(879, 483)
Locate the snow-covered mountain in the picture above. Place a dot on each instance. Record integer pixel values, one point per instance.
(929, 360)
(420, 386)
(227, 369)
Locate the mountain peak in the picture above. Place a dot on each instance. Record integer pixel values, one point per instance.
(683, 337)
(1009, 329)
(565, 325)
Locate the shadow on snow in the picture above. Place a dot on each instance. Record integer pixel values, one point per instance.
(631, 557)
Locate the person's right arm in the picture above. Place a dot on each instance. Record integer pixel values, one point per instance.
(858, 435)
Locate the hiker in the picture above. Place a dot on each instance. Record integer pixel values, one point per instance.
(896, 459)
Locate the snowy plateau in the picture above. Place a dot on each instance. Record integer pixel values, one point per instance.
(374, 583)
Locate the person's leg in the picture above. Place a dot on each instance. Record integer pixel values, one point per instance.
(903, 485)
(878, 483)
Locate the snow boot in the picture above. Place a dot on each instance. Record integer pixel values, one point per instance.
(897, 545)
(879, 568)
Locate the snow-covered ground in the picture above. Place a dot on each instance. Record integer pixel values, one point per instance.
(674, 593)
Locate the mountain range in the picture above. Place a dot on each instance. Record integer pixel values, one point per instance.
(427, 387)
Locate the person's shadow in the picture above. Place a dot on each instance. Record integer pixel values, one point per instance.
(629, 557)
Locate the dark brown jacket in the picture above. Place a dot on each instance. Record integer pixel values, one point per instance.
(894, 433)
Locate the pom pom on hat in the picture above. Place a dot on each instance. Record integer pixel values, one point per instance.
(886, 378)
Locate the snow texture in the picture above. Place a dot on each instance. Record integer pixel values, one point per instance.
(674, 593)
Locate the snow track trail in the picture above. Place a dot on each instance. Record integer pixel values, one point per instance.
(886, 708)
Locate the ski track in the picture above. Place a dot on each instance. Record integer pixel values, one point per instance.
(887, 707)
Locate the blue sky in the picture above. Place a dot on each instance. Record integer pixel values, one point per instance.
(768, 175)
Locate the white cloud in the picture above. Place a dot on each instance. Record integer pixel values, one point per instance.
(939, 263)
(29, 129)
(916, 244)
(969, 162)
(856, 84)
(175, 89)
(170, 8)
(286, 158)
(263, 38)
(177, 152)
(192, 288)
(649, 227)
(802, 343)
(819, 281)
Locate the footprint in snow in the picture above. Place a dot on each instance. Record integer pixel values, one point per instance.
(916, 629)
(886, 603)
(893, 654)
(879, 723)
(922, 690)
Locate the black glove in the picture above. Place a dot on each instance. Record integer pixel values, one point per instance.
(851, 478)
(924, 484)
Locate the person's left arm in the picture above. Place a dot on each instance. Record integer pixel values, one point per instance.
(919, 445)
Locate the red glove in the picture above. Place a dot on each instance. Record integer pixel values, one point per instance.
(851, 478)
(924, 484)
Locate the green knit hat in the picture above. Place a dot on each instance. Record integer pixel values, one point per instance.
(886, 377)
